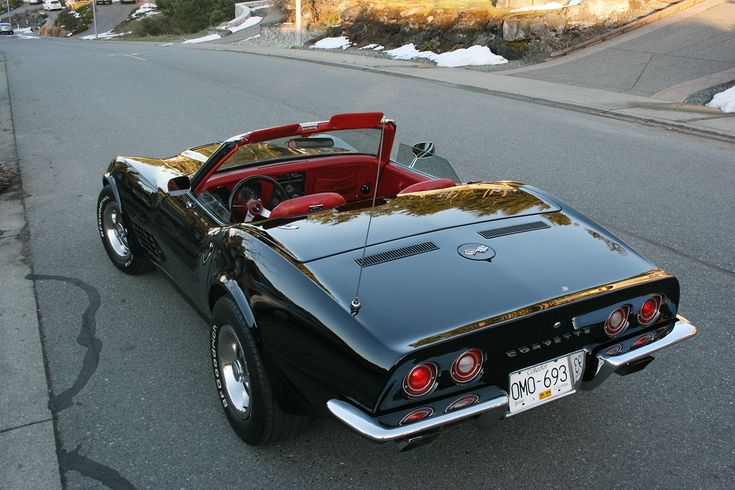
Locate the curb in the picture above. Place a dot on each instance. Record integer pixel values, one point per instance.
(586, 109)
(28, 456)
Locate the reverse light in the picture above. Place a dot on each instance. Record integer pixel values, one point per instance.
(420, 380)
(650, 310)
(467, 366)
(617, 322)
(416, 415)
(462, 402)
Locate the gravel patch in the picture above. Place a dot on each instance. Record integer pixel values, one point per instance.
(704, 96)
(6, 176)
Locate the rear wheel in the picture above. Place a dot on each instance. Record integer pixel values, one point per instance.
(119, 242)
(242, 383)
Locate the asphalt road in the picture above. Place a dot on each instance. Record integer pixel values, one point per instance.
(146, 412)
(109, 17)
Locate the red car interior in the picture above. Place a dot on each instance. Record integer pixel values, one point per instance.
(428, 185)
(299, 206)
(350, 177)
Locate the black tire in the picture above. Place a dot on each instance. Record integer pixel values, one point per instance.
(263, 422)
(133, 262)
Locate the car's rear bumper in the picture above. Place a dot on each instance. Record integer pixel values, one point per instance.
(621, 358)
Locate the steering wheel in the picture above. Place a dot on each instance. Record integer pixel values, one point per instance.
(255, 206)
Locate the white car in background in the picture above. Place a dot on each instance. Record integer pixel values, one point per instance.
(52, 5)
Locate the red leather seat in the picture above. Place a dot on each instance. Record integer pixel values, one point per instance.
(299, 206)
(428, 185)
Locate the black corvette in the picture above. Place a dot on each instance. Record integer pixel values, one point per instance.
(344, 282)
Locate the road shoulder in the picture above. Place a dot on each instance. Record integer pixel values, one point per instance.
(27, 442)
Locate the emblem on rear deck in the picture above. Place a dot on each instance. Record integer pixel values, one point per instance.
(476, 251)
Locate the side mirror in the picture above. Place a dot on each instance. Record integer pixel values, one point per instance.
(425, 149)
(178, 186)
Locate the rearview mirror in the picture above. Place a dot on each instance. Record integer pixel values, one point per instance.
(178, 186)
(301, 143)
(424, 149)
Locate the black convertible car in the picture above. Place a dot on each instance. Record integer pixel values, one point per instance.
(345, 279)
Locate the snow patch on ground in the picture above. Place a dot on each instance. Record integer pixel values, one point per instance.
(262, 7)
(333, 43)
(472, 56)
(104, 35)
(409, 52)
(23, 30)
(374, 47)
(249, 22)
(724, 101)
(204, 39)
(145, 10)
(252, 37)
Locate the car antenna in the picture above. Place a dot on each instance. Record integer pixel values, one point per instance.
(356, 304)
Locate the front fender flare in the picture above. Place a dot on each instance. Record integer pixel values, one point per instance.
(108, 179)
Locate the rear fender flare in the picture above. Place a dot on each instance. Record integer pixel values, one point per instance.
(233, 288)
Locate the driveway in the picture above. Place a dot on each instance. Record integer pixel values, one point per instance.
(696, 43)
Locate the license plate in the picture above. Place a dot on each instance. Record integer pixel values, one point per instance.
(542, 383)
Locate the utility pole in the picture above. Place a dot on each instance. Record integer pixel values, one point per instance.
(94, 17)
(298, 23)
(10, 19)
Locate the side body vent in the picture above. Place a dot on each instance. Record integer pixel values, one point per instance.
(146, 240)
(512, 230)
(399, 253)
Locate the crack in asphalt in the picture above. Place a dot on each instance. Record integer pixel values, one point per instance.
(72, 460)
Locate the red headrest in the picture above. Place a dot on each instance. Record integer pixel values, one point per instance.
(299, 206)
(428, 185)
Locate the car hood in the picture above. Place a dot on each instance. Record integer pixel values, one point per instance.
(414, 294)
(411, 215)
(158, 171)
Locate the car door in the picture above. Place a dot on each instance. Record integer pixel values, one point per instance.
(186, 232)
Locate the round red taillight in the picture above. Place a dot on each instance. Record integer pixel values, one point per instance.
(463, 401)
(420, 380)
(617, 322)
(416, 415)
(467, 366)
(650, 310)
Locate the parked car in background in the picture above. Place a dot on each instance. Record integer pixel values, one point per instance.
(52, 5)
(6, 28)
(100, 2)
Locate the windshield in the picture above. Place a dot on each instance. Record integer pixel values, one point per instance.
(434, 166)
(341, 142)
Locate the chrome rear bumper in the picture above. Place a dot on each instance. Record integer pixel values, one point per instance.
(496, 407)
(610, 363)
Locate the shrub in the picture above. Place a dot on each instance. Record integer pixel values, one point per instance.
(6, 176)
(155, 25)
(75, 21)
(194, 15)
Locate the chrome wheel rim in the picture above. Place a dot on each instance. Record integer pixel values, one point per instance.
(115, 232)
(234, 370)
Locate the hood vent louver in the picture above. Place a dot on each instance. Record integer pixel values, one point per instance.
(398, 253)
(512, 230)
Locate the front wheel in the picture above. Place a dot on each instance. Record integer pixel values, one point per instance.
(242, 383)
(119, 243)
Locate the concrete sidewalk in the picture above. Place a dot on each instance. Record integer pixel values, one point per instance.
(27, 444)
(692, 119)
